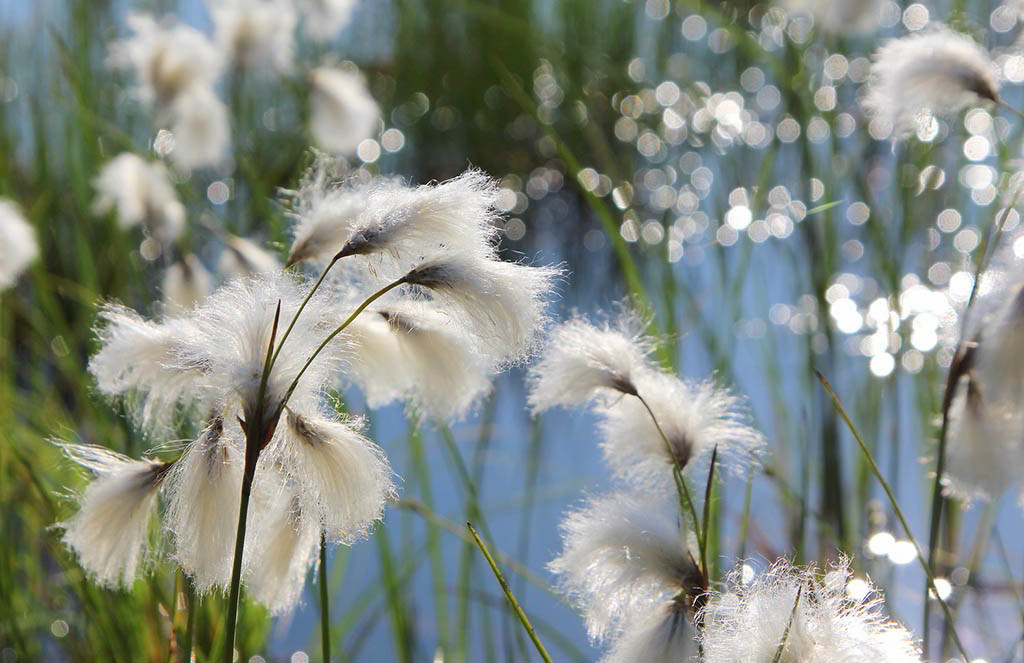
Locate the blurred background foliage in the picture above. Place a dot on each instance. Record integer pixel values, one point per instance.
(708, 159)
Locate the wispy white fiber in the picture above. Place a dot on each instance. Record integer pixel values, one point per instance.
(621, 554)
(937, 72)
(255, 33)
(581, 360)
(324, 19)
(111, 529)
(343, 113)
(843, 17)
(696, 418)
(243, 257)
(661, 633)
(18, 245)
(198, 119)
(140, 193)
(747, 624)
(186, 284)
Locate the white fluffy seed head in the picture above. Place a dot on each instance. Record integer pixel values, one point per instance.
(111, 529)
(255, 33)
(502, 305)
(621, 555)
(933, 72)
(199, 121)
(843, 17)
(747, 624)
(324, 19)
(245, 258)
(140, 193)
(582, 360)
(696, 417)
(167, 58)
(343, 113)
(203, 489)
(661, 633)
(345, 478)
(18, 246)
(185, 285)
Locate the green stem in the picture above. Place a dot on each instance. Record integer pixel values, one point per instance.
(325, 607)
(302, 307)
(523, 619)
(896, 509)
(190, 627)
(251, 455)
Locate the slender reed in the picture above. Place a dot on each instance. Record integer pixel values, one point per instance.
(325, 606)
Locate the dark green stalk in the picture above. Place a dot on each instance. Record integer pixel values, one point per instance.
(236, 568)
(325, 606)
(192, 603)
(789, 626)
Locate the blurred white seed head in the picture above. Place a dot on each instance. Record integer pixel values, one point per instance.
(111, 529)
(140, 193)
(185, 285)
(502, 305)
(203, 489)
(937, 72)
(167, 58)
(843, 17)
(748, 623)
(582, 360)
(345, 478)
(343, 113)
(255, 33)
(324, 19)
(202, 131)
(621, 554)
(18, 246)
(243, 258)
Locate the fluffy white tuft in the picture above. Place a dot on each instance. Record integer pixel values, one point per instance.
(343, 113)
(696, 418)
(140, 193)
(203, 490)
(198, 119)
(185, 285)
(18, 246)
(324, 19)
(747, 625)
(345, 477)
(843, 17)
(620, 555)
(502, 305)
(661, 633)
(255, 33)
(110, 531)
(581, 360)
(938, 71)
(243, 257)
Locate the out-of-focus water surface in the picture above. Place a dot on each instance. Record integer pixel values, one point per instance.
(711, 151)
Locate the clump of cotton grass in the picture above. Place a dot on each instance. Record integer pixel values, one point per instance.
(342, 111)
(408, 351)
(186, 283)
(622, 556)
(935, 72)
(201, 130)
(324, 19)
(140, 192)
(110, 531)
(825, 624)
(696, 419)
(243, 257)
(18, 246)
(582, 360)
(255, 33)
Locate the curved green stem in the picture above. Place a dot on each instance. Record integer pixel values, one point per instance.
(325, 614)
(236, 567)
(302, 306)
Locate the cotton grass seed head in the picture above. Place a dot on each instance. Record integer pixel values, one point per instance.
(324, 19)
(747, 624)
(255, 33)
(343, 113)
(185, 285)
(18, 246)
(140, 192)
(661, 633)
(621, 554)
(325, 212)
(582, 360)
(245, 258)
(111, 529)
(199, 122)
(937, 72)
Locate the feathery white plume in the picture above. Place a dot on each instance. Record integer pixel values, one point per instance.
(202, 131)
(282, 549)
(243, 257)
(621, 555)
(141, 193)
(938, 71)
(661, 633)
(203, 491)
(167, 57)
(186, 284)
(343, 113)
(255, 33)
(324, 19)
(747, 625)
(110, 531)
(581, 360)
(501, 304)
(406, 350)
(844, 17)
(344, 476)
(18, 246)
